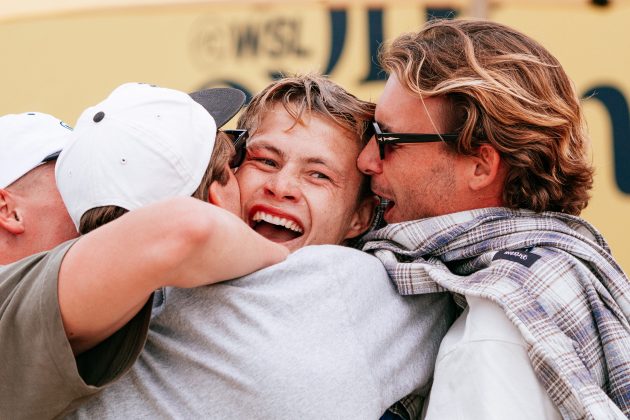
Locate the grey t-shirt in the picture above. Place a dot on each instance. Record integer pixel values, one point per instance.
(322, 335)
(39, 376)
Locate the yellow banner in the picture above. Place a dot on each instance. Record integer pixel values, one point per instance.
(62, 62)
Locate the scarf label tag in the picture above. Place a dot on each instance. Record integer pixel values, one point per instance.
(521, 257)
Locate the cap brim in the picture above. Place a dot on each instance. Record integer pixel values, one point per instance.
(222, 103)
(51, 156)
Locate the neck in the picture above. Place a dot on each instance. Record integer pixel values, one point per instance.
(10, 249)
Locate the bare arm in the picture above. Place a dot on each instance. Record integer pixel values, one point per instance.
(109, 274)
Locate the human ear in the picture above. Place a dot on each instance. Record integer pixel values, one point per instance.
(225, 196)
(215, 194)
(486, 165)
(10, 216)
(362, 217)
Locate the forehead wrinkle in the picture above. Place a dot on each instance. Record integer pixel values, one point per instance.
(317, 161)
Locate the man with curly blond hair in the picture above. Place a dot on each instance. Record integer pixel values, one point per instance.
(480, 149)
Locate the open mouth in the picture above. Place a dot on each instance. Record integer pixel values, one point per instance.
(276, 228)
(389, 204)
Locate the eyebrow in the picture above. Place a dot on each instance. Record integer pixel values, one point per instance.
(334, 169)
(316, 160)
(264, 144)
(267, 146)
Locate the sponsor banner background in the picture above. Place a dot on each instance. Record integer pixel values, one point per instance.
(62, 61)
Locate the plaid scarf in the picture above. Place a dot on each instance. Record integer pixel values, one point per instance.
(554, 277)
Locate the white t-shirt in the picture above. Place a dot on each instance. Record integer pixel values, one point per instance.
(483, 371)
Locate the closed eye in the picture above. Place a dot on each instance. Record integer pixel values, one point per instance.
(265, 161)
(391, 146)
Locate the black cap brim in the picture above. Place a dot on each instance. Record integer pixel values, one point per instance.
(51, 156)
(222, 103)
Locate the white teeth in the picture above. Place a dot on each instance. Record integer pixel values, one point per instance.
(278, 221)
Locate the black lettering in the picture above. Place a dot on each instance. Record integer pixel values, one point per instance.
(617, 108)
(524, 258)
(375, 24)
(294, 38)
(273, 39)
(247, 39)
(338, 25)
(440, 13)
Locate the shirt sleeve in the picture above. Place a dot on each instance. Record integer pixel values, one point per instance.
(39, 375)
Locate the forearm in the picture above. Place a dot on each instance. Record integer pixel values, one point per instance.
(110, 273)
(232, 250)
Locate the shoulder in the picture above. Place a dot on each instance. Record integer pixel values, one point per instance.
(340, 256)
(35, 264)
(328, 263)
(321, 267)
(33, 280)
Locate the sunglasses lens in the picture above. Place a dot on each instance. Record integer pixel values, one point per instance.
(238, 158)
(368, 133)
(238, 138)
(381, 149)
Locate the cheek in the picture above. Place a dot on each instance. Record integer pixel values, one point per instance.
(246, 182)
(235, 192)
(330, 215)
(406, 175)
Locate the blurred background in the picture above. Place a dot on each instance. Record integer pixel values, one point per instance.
(61, 57)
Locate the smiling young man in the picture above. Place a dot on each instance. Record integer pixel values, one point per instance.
(299, 161)
(481, 149)
(308, 338)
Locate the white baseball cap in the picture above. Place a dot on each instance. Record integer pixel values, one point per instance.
(140, 145)
(27, 140)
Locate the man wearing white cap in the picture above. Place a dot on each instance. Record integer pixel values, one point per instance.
(46, 299)
(32, 215)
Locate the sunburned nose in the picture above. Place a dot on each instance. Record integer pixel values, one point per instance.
(369, 161)
(283, 187)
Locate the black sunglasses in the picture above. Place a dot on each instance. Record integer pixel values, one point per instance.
(383, 139)
(238, 138)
